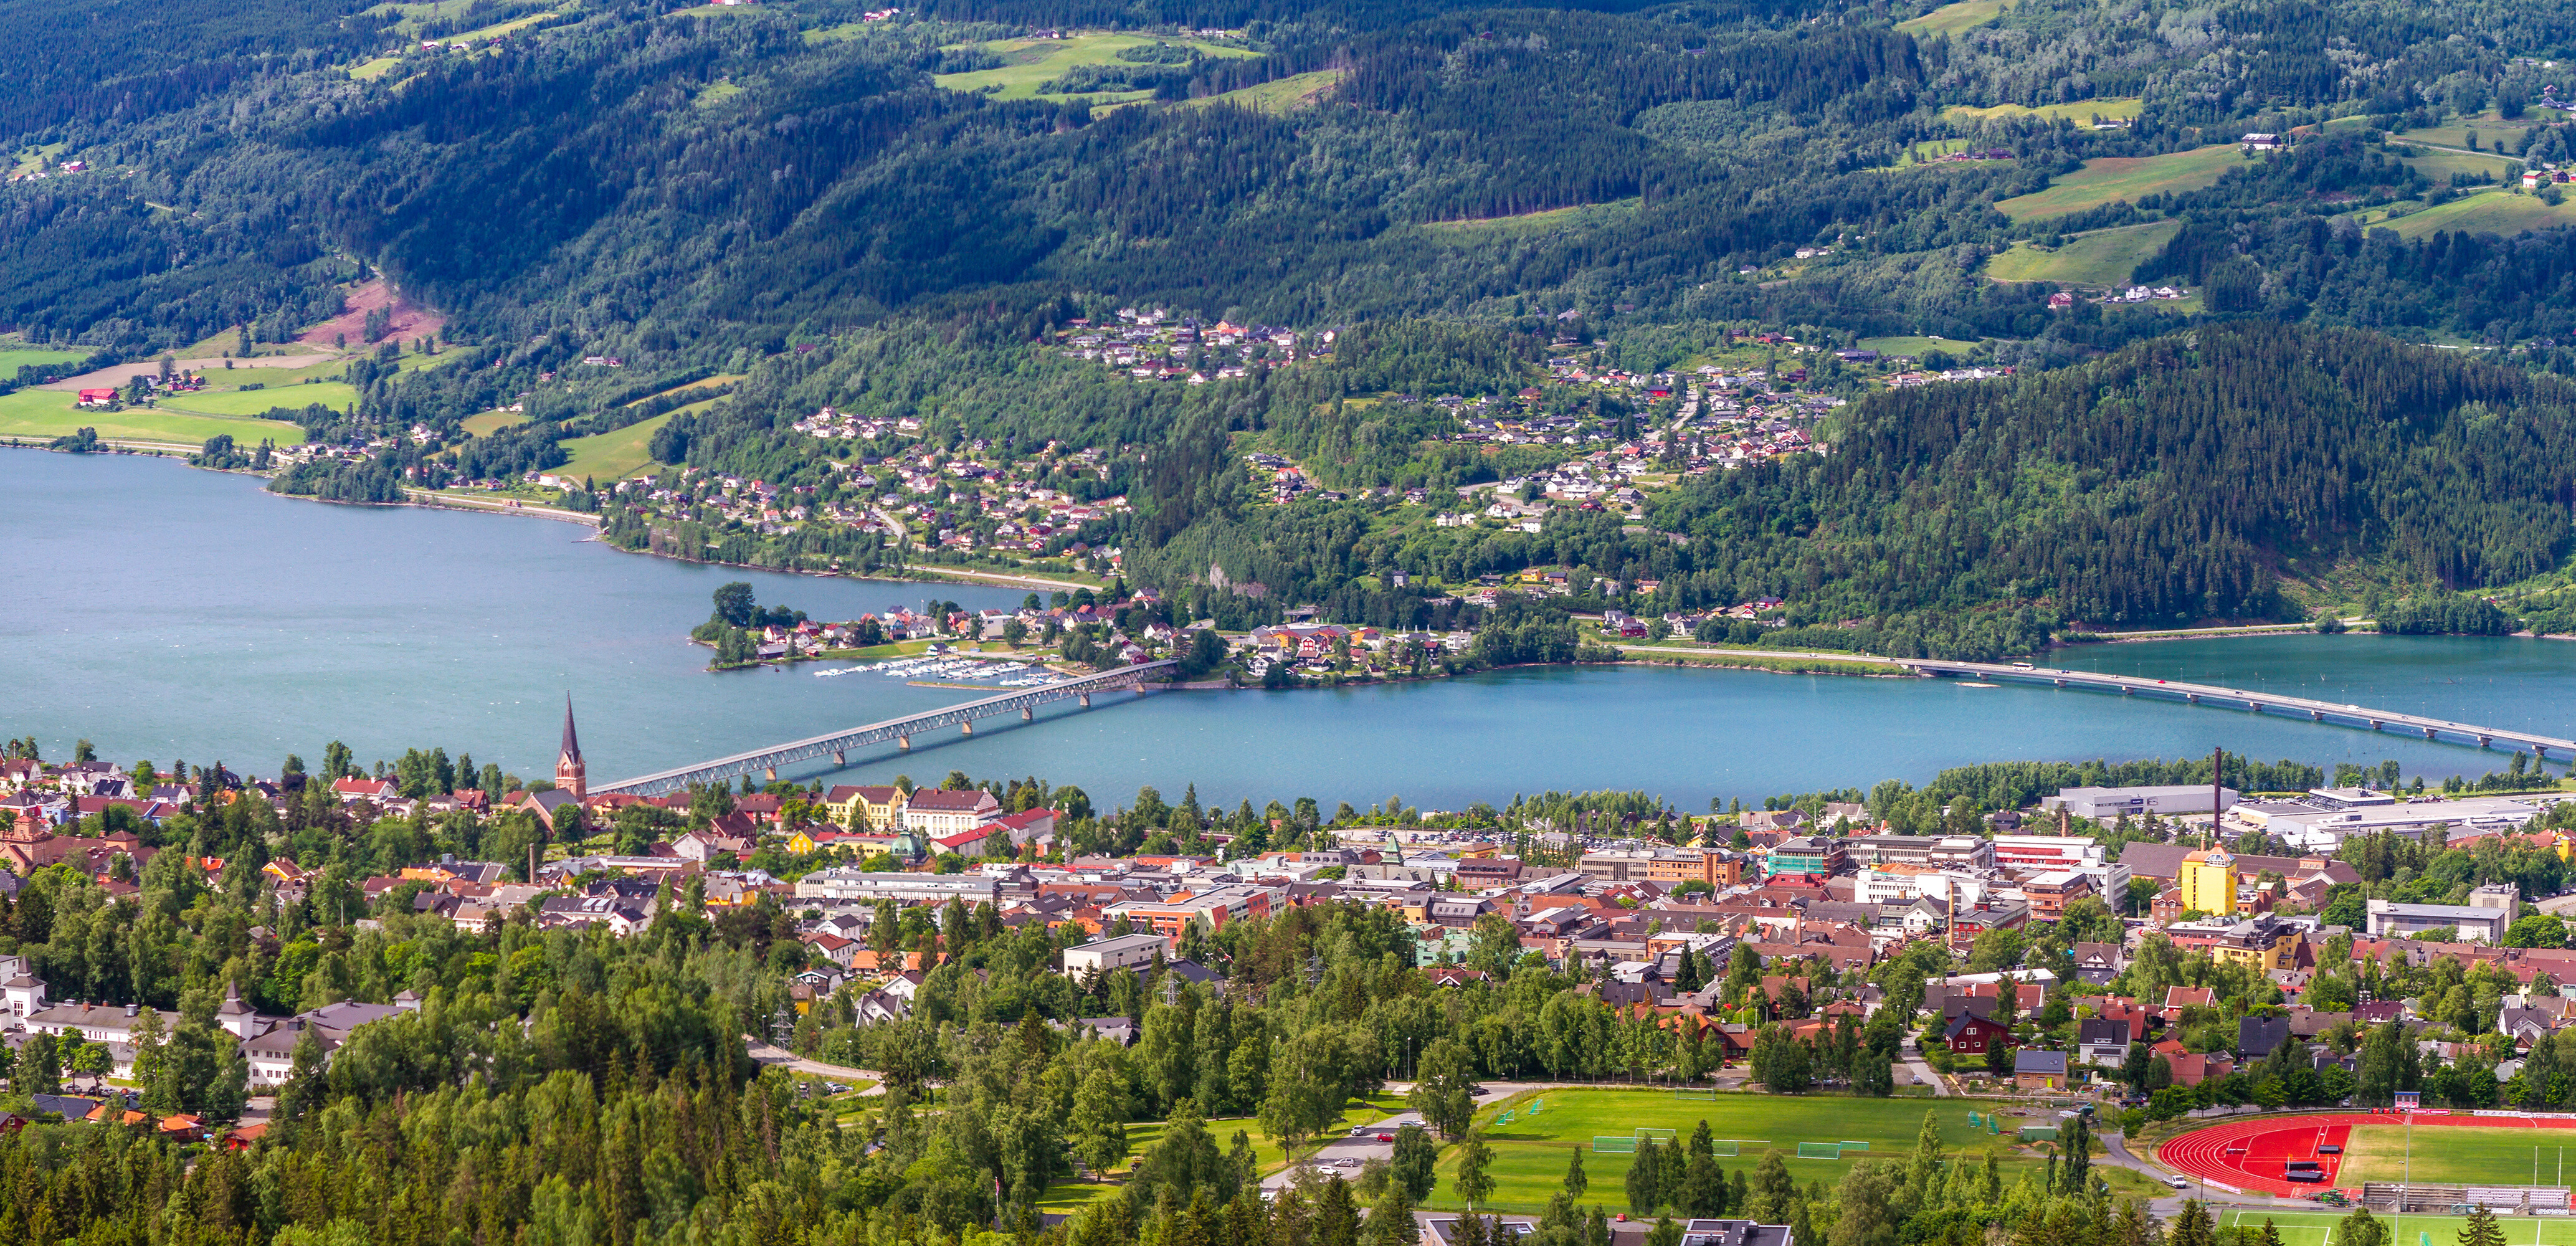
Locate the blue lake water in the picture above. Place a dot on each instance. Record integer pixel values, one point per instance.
(163, 612)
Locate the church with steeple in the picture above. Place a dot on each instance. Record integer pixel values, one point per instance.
(569, 775)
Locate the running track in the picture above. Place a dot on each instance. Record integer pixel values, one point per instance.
(2249, 1154)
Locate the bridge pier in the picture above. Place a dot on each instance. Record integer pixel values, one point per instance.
(2059, 682)
(1027, 714)
(2317, 715)
(969, 726)
(2255, 706)
(2482, 740)
(2374, 724)
(1086, 700)
(839, 760)
(903, 742)
(2127, 691)
(2192, 697)
(771, 773)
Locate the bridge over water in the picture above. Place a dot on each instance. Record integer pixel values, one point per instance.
(900, 731)
(2259, 702)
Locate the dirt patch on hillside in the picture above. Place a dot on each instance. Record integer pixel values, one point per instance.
(117, 375)
(410, 319)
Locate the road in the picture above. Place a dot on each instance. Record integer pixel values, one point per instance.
(1924, 1075)
(1774, 654)
(503, 506)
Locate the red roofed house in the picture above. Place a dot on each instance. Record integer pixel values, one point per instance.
(939, 814)
(365, 789)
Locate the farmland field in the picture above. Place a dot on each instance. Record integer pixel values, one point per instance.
(2081, 111)
(722, 378)
(2457, 1155)
(334, 394)
(2104, 257)
(1950, 19)
(1036, 62)
(615, 455)
(2440, 165)
(1531, 1152)
(2494, 211)
(46, 413)
(2124, 177)
(491, 422)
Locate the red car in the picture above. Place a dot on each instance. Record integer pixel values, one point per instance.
(1386, 1137)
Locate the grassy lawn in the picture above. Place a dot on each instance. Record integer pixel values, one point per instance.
(491, 422)
(2082, 112)
(2492, 132)
(1035, 62)
(1950, 19)
(2104, 257)
(1531, 1152)
(1282, 95)
(49, 413)
(2440, 165)
(614, 455)
(376, 68)
(333, 394)
(2125, 177)
(2315, 1228)
(2462, 1156)
(1142, 1135)
(721, 378)
(2494, 211)
(1581, 215)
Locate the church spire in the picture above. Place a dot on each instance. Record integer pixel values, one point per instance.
(570, 774)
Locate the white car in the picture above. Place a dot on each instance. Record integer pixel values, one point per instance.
(2178, 1183)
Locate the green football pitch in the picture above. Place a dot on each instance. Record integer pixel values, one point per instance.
(2314, 1228)
(1532, 1149)
(2461, 1155)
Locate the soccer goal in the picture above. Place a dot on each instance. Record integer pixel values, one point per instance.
(1855, 1146)
(1820, 1150)
(1729, 1148)
(1659, 1135)
(1614, 1146)
(1695, 1092)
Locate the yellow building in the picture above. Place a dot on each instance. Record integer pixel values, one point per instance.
(883, 805)
(2208, 882)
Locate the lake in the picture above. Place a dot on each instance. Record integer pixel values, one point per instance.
(164, 613)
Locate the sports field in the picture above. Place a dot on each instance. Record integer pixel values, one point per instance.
(1531, 1150)
(2460, 1156)
(2317, 1228)
(2494, 211)
(46, 413)
(2102, 258)
(2125, 177)
(1950, 19)
(1035, 62)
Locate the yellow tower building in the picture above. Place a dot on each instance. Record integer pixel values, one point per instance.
(2209, 881)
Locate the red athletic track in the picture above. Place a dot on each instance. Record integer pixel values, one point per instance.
(2268, 1143)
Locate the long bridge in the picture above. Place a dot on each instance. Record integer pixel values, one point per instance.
(900, 731)
(2259, 702)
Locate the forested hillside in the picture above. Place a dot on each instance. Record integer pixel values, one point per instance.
(886, 215)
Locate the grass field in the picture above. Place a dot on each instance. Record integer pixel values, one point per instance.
(614, 455)
(2316, 1228)
(334, 394)
(2490, 129)
(48, 413)
(1282, 95)
(1579, 216)
(1913, 345)
(1530, 1153)
(2464, 1156)
(2440, 165)
(1065, 1196)
(2102, 258)
(16, 357)
(491, 422)
(2494, 211)
(2081, 111)
(722, 378)
(2124, 177)
(1035, 62)
(1950, 19)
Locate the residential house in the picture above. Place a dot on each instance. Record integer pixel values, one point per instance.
(937, 814)
(2102, 1043)
(2039, 1070)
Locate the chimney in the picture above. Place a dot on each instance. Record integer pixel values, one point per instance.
(130, 1009)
